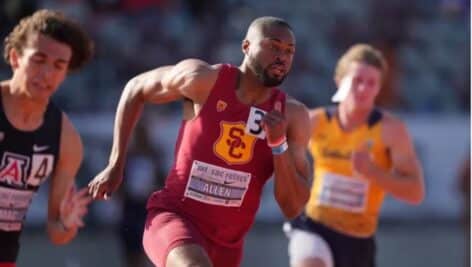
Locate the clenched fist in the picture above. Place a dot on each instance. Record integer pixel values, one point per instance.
(275, 124)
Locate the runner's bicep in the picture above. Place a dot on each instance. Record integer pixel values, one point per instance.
(298, 138)
(403, 154)
(190, 78)
(301, 161)
(153, 86)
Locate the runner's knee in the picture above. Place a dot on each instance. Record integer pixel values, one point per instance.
(190, 255)
(307, 249)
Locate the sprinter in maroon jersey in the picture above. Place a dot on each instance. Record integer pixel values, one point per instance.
(238, 130)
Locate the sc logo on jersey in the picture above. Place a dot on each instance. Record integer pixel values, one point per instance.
(234, 146)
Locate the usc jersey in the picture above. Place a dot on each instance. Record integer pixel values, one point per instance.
(221, 164)
(338, 199)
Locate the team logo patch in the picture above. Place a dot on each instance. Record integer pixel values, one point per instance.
(221, 105)
(13, 168)
(233, 145)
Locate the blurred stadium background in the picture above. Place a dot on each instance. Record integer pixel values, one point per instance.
(427, 44)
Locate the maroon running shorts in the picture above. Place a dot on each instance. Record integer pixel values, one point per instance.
(165, 230)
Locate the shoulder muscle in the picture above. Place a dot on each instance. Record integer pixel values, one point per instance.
(71, 147)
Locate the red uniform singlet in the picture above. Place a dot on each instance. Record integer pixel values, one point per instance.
(221, 164)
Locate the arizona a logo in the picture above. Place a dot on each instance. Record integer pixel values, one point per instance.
(13, 168)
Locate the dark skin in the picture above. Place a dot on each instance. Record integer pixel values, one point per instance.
(268, 57)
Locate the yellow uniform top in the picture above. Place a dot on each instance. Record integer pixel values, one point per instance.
(338, 199)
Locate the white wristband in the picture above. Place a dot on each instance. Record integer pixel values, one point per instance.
(277, 150)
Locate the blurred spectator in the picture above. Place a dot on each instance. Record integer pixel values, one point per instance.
(461, 85)
(208, 15)
(144, 173)
(105, 5)
(459, 8)
(133, 36)
(11, 11)
(389, 23)
(141, 5)
(464, 189)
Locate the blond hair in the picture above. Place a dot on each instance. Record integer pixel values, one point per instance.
(362, 53)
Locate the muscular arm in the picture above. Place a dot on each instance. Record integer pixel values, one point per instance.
(70, 158)
(291, 169)
(405, 181)
(315, 117)
(191, 79)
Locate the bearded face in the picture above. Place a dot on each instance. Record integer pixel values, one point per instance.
(270, 76)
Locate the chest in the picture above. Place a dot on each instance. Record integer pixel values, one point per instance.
(26, 158)
(234, 132)
(330, 144)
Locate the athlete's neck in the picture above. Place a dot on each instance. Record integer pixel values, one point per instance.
(22, 111)
(250, 91)
(351, 118)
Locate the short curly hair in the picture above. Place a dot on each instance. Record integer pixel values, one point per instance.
(55, 25)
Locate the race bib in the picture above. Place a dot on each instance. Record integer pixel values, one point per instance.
(343, 192)
(253, 124)
(13, 207)
(215, 185)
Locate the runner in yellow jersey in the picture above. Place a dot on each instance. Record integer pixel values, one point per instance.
(360, 154)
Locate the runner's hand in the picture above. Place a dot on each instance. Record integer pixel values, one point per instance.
(105, 183)
(74, 207)
(275, 124)
(362, 163)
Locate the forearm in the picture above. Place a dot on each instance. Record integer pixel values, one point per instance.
(59, 234)
(405, 187)
(290, 187)
(127, 114)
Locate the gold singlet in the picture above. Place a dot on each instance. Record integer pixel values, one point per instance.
(338, 199)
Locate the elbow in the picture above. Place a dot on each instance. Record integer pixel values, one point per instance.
(414, 201)
(58, 237)
(292, 213)
(58, 240)
(415, 198)
(292, 209)
(293, 202)
(419, 196)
